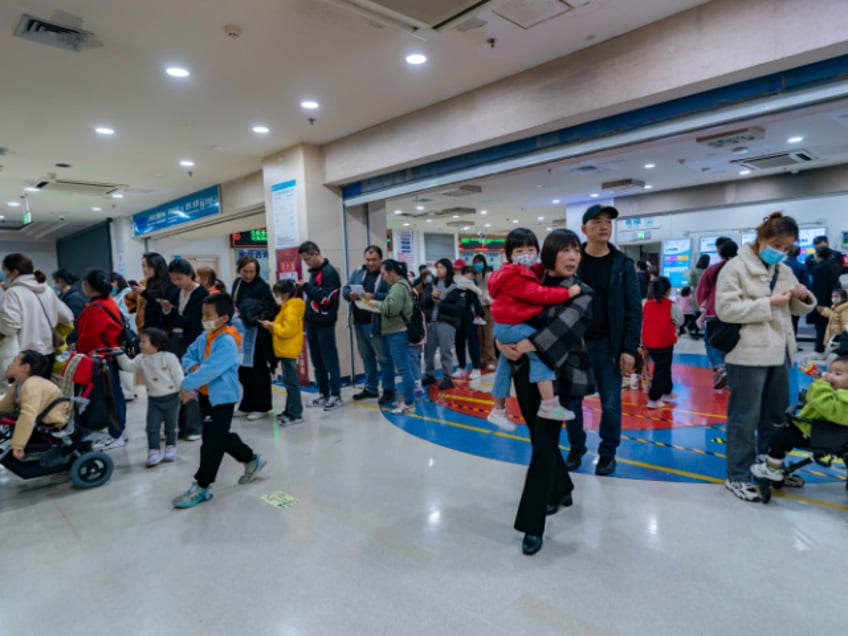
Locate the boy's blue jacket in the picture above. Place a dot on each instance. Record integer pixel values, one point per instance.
(219, 371)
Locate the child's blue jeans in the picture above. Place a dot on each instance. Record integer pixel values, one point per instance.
(539, 371)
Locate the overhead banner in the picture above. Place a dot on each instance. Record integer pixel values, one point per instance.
(178, 212)
(677, 261)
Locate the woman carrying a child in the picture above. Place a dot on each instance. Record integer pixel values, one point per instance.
(558, 343)
(761, 294)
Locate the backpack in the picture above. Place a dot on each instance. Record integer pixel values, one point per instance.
(416, 323)
(128, 340)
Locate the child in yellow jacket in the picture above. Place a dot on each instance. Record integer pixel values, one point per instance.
(287, 335)
(837, 314)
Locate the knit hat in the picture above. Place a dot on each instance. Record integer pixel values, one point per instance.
(458, 264)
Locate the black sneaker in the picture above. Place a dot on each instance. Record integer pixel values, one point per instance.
(446, 383)
(365, 394)
(427, 380)
(388, 397)
(605, 465)
(575, 458)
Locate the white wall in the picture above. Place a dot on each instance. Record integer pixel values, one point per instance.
(42, 253)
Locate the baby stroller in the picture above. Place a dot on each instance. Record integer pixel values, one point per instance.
(54, 449)
(827, 440)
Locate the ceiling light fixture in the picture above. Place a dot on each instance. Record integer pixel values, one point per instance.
(541, 218)
(594, 195)
(745, 172)
(177, 71)
(484, 211)
(488, 225)
(420, 208)
(795, 140)
(547, 229)
(117, 195)
(429, 220)
(96, 209)
(515, 220)
(103, 130)
(648, 186)
(555, 201)
(261, 130)
(416, 59)
(456, 216)
(406, 225)
(398, 211)
(187, 163)
(309, 104)
(32, 189)
(14, 204)
(648, 166)
(2, 217)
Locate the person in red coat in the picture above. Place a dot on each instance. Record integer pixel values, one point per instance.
(100, 326)
(660, 319)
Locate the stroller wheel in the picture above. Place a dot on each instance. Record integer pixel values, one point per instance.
(91, 470)
(765, 490)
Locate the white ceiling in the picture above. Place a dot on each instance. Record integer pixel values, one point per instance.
(289, 50)
(680, 162)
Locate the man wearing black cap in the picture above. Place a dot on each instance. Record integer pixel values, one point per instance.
(613, 336)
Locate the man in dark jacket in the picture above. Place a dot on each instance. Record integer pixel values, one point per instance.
(613, 337)
(825, 279)
(322, 311)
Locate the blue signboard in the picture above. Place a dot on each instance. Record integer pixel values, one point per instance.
(184, 210)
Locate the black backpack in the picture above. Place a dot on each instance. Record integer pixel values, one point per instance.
(128, 340)
(416, 323)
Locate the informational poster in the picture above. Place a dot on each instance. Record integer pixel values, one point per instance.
(708, 246)
(284, 208)
(677, 261)
(748, 237)
(405, 247)
(806, 235)
(290, 266)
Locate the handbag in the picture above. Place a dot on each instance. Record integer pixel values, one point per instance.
(724, 336)
(58, 339)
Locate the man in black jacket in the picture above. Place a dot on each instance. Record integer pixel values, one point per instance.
(322, 311)
(613, 337)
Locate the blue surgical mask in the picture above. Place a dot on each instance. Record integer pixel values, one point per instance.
(527, 260)
(478, 267)
(771, 256)
(4, 278)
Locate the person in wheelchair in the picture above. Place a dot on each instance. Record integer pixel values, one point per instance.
(826, 400)
(28, 396)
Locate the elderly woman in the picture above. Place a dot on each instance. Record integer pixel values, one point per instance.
(559, 343)
(758, 292)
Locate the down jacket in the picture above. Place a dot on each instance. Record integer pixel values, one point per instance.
(21, 314)
(742, 296)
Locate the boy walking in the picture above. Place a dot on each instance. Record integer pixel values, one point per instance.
(211, 367)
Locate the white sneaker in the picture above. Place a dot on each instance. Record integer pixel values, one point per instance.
(333, 403)
(499, 418)
(745, 490)
(458, 374)
(670, 397)
(475, 374)
(656, 404)
(764, 470)
(109, 443)
(402, 409)
(480, 322)
(318, 402)
(239, 413)
(153, 458)
(255, 415)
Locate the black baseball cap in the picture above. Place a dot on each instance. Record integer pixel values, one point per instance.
(598, 209)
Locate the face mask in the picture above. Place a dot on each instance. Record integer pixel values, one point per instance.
(526, 260)
(4, 278)
(56, 289)
(836, 300)
(478, 267)
(771, 256)
(114, 292)
(209, 325)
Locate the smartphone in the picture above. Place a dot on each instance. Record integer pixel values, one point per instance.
(132, 283)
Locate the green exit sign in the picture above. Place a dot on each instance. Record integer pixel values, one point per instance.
(27, 217)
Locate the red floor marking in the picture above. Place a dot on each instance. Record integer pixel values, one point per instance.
(697, 405)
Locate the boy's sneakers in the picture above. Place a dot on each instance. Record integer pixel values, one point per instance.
(193, 437)
(333, 403)
(317, 403)
(170, 454)
(765, 470)
(286, 419)
(419, 389)
(745, 490)
(556, 412)
(499, 418)
(153, 457)
(251, 468)
(656, 404)
(193, 496)
(402, 409)
(255, 415)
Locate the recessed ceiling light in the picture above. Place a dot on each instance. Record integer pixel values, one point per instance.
(103, 130)
(2, 217)
(555, 201)
(539, 185)
(14, 204)
(176, 71)
(456, 216)
(117, 195)
(309, 104)
(795, 140)
(488, 225)
(466, 228)
(96, 209)
(744, 172)
(416, 59)
(429, 220)
(648, 166)
(419, 208)
(594, 195)
(406, 225)
(186, 163)
(484, 211)
(398, 211)
(541, 218)
(648, 186)
(32, 189)
(515, 220)
(261, 130)
(547, 229)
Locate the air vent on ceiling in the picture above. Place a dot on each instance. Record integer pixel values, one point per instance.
(529, 13)
(457, 211)
(63, 32)
(413, 14)
(462, 191)
(732, 138)
(75, 186)
(461, 224)
(623, 184)
(778, 160)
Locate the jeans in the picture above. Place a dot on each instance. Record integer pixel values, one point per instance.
(755, 410)
(608, 380)
(415, 362)
(661, 383)
(217, 440)
(440, 335)
(539, 371)
(158, 408)
(397, 345)
(325, 358)
(715, 356)
(368, 354)
(387, 365)
(294, 402)
(467, 337)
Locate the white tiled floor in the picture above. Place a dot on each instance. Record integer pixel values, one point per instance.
(394, 535)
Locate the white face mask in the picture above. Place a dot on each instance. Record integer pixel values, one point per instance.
(527, 260)
(209, 325)
(836, 300)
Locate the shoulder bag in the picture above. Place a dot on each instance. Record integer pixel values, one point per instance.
(58, 339)
(724, 336)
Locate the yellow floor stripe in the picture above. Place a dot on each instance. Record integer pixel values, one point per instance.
(814, 502)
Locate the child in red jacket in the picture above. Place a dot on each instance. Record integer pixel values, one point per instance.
(518, 296)
(660, 320)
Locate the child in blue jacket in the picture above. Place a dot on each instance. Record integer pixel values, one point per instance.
(211, 366)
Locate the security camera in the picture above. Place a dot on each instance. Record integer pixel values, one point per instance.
(61, 217)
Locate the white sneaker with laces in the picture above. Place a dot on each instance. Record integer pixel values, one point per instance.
(239, 413)
(153, 458)
(656, 404)
(458, 374)
(745, 490)
(319, 402)
(764, 470)
(333, 403)
(402, 409)
(670, 397)
(110, 443)
(499, 418)
(255, 415)
(475, 374)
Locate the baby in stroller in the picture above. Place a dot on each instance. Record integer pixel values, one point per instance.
(30, 395)
(826, 406)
